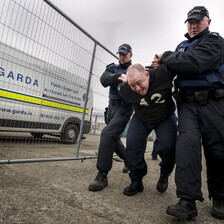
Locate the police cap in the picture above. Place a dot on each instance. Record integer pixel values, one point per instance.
(124, 49)
(198, 13)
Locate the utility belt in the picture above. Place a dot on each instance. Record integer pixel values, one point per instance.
(115, 102)
(201, 96)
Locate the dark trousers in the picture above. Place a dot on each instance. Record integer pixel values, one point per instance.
(200, 124)
(138, 132)
(110, 142)
(155, 148)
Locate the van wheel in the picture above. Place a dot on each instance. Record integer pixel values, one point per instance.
(37, 134)
(70, 134)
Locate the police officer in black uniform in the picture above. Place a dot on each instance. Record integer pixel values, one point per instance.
(117, 116)
(199, 65)
(150, 93)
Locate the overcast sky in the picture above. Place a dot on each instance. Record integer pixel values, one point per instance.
(149, 26)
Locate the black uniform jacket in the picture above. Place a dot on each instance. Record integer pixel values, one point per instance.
(157, 104)
(206, 56)
(109, 78)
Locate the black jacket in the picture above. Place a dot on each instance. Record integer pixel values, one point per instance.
(109, 78)
(206, 56)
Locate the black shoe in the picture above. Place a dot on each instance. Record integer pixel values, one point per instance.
(133, 188)
(100, 182)
(184, 209)
(154, 158)
(218, 209)
(162, 183)
(125, 169)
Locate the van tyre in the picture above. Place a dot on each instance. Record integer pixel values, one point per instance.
(70, 134)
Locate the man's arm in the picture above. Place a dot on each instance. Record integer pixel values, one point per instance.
(205, 56)
(110, 76)
(125, 92)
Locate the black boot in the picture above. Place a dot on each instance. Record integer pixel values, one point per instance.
(218, 209)
(162, 183)
(184, 209)
(100, 182)
(133, 188)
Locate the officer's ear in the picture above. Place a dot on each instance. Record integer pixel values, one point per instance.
(209, 21)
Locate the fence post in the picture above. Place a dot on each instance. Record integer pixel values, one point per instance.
(86, 100)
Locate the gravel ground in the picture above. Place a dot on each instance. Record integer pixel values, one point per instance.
(57, 192)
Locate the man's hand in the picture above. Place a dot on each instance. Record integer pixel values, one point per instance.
(156, 61)
(122, 77)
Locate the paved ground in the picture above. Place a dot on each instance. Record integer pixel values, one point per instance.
(56, 192)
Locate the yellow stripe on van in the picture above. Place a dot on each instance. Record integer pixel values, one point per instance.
(19, 97)
(34, 100)
(61, 106)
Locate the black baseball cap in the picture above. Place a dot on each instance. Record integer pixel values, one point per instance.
(124, 49)
(198, 13)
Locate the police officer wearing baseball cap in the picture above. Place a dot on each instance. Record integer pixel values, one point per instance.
(116, 118)
(198, 63)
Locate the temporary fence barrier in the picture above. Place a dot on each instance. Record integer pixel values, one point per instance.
(50, 94)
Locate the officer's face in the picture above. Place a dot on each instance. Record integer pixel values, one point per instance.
(194, 26)
(138, 81)
(124, 58)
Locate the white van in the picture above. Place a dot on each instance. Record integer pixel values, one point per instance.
(41, 98)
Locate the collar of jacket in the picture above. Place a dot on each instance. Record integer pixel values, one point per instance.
(125, 65)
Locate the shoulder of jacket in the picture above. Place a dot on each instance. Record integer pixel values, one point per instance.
(110, 65)
(214, 34)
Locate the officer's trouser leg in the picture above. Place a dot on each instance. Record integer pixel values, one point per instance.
(109, 139)
(188, 153)
(213, 143)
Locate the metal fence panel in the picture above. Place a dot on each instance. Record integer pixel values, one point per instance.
(49, 82)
